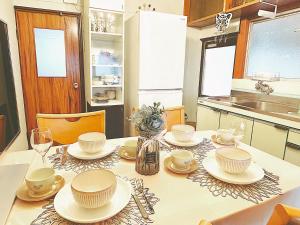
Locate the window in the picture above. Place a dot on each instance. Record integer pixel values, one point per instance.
(274, 47)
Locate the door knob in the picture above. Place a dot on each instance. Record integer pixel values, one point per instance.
(75, 85)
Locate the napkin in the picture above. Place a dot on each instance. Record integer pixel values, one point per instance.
(11, 177)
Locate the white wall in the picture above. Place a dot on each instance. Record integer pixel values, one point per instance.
(7, 14)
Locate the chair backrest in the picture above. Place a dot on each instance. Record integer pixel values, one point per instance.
(174, 115)
(66, 128)
(283, 215)
(2, 131)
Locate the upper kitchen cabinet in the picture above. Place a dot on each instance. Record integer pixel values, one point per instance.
(202, 13)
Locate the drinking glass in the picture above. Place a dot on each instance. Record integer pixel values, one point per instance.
(239, 128)
(41, 141)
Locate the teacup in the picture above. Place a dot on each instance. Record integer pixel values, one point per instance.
(40, 181)
(130, 147)
(225, 135)
(182, 159)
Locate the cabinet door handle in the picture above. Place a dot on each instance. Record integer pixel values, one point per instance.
(293, 146)
(216, 110)
(281, 127)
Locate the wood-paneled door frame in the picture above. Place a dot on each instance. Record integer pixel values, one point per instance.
(80, 42)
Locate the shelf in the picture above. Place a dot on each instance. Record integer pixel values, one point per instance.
(98, 65)
(105, 36)
(106, 11)
(110, 102)
(107, 86)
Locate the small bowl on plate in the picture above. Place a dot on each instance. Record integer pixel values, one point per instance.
(183, 133)
(233, 160)
(94, 188)
(92, 142)
(130, 147)
(226, 135)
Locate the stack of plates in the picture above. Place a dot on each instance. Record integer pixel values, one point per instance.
(67, 208)
(253, 174)
(197, 139)
(75, 151)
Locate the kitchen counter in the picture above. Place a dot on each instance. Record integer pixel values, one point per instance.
(232, 104)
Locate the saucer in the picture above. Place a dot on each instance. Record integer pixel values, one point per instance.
(22, 192)
(123, 154)
(66, 207)
(197, 139)
(169, 164)
(253, 174)
(75, 151)
(220, 142)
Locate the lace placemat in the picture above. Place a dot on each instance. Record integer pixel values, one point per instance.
(256, 193)
(130, 215)
(66, 162)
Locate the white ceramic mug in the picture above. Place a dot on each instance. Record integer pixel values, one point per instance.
(182, 159)
(40, 180)
(225, 135)
(130, 147)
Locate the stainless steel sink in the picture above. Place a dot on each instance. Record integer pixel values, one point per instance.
(268, 107)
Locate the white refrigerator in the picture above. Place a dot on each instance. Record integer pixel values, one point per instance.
(154, 59)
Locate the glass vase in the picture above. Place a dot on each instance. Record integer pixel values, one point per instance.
(147, 158)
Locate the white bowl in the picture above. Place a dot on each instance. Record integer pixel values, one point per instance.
(233, 160)
(183, 133)
(92, 142)
(130, 147)
(94, 188)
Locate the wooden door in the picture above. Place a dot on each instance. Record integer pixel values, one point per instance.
(52, 94)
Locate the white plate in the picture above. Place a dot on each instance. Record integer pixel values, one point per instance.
(66, 207)
(253, 174)
(197, 139)
(75, 151)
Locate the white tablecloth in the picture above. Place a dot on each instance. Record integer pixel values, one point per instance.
(182, 201)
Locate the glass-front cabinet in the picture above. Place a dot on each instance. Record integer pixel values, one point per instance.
(104, 51)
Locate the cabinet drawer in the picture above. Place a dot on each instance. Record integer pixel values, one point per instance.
(207, 118)
(292, 152)
(269, 138)
(227, 119)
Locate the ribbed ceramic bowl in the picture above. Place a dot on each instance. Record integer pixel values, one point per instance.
(92, 142)
(183, 133)
(233, 160)
(94, 188)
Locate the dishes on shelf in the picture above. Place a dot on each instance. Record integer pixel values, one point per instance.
(66, 206)
(251, 175)
(197, 139)
(75, 151)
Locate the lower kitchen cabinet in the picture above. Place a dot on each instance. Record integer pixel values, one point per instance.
(269, 138)
(114, 120)
(227, 119)
(208, 118)
(292, 151)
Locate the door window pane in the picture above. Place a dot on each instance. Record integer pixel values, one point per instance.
(50, 52)
(274, 47)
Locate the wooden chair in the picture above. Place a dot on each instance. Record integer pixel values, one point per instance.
(284, 215)
(174, 115)
(66, 128)
(2, 132)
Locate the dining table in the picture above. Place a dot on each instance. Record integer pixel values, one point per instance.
(177, 199)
